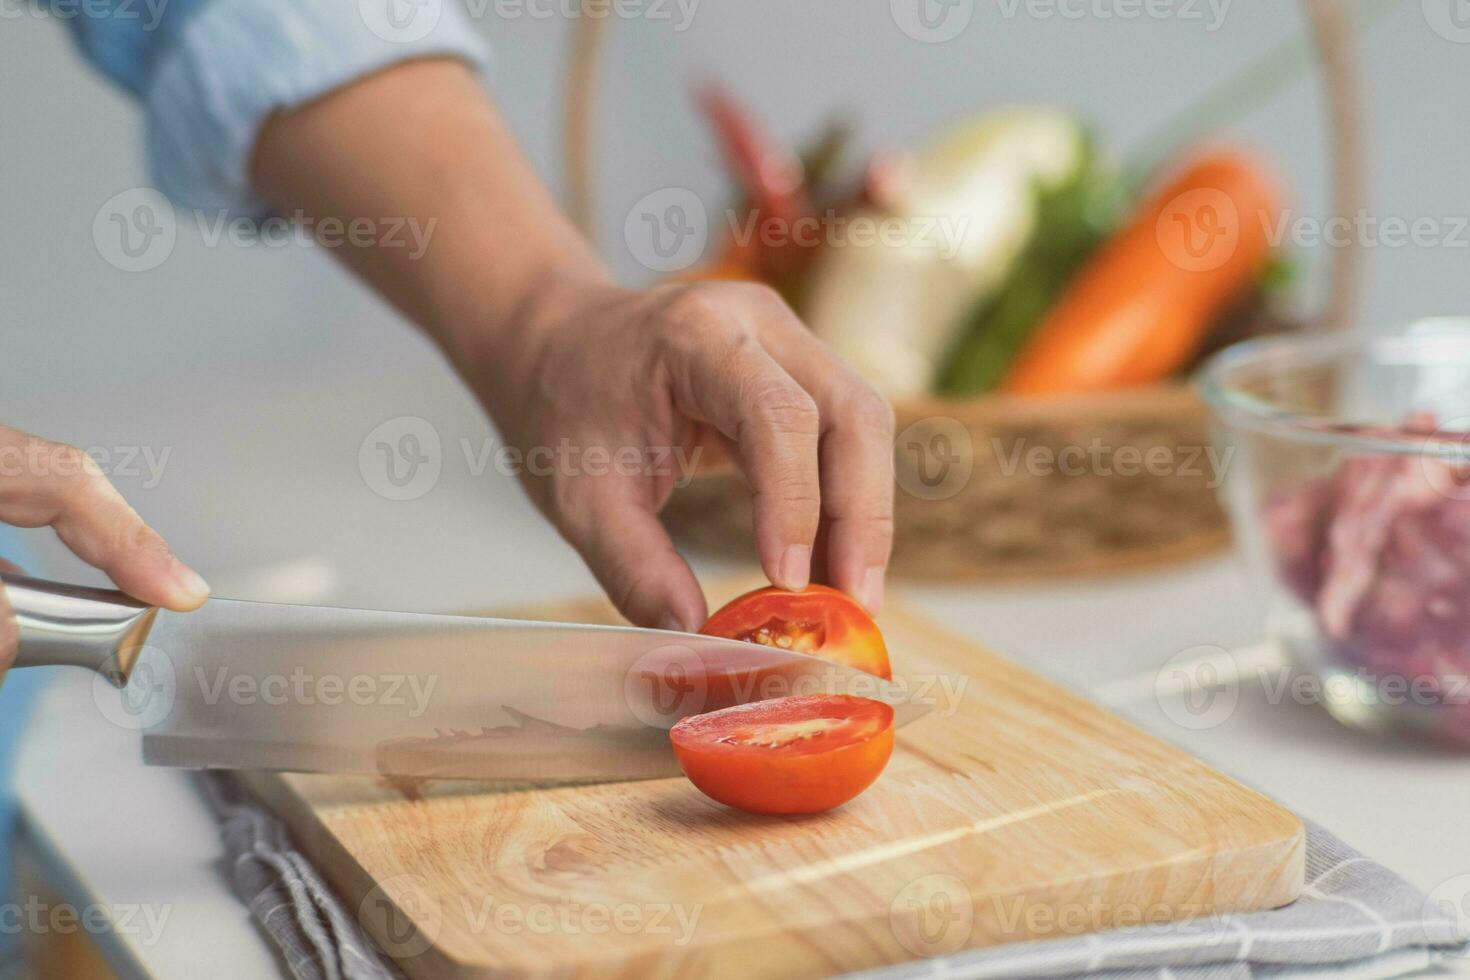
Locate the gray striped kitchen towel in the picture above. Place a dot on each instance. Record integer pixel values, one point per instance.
(316, 935)
(1355, 919)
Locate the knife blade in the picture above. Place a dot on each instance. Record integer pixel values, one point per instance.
(251, 685)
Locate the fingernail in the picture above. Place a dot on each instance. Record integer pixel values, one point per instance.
(668, 621)
(190, 584)
(871, 591)
(795, 568)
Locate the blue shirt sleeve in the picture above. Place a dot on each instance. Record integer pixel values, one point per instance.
(120, 37)
(209, 72)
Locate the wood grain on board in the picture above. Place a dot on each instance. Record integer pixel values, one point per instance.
(1014, 810)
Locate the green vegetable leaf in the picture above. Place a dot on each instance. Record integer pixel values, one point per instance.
(1281, 274)
(1072, 218)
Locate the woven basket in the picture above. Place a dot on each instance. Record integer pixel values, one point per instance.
(999, 487)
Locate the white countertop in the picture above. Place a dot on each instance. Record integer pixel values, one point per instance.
(263, 492)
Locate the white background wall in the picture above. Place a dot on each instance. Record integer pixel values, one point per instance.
(261, 371)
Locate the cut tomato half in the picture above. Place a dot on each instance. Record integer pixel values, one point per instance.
(801, 754)
(818, 620)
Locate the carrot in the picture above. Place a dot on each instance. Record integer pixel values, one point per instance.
(774, 184)
(1143, 305)
(770, 174)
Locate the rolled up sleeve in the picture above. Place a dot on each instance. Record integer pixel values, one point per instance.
(209, 73)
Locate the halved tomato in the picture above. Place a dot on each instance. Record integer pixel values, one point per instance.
(818, 620)
(801, 754)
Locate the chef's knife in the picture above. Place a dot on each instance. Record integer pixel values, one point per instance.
(254, 685)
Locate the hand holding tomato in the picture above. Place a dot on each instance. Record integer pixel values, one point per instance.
(705, 369)
(560, 356)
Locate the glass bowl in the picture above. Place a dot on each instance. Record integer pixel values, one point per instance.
(1347, 479)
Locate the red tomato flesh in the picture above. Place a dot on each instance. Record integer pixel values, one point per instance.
(789, 755)
(818, 620)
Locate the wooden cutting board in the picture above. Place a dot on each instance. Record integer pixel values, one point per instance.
(1015, 810)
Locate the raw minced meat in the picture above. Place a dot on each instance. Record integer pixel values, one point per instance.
(1380, 551)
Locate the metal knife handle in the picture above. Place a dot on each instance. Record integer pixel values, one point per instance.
(99, 629)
